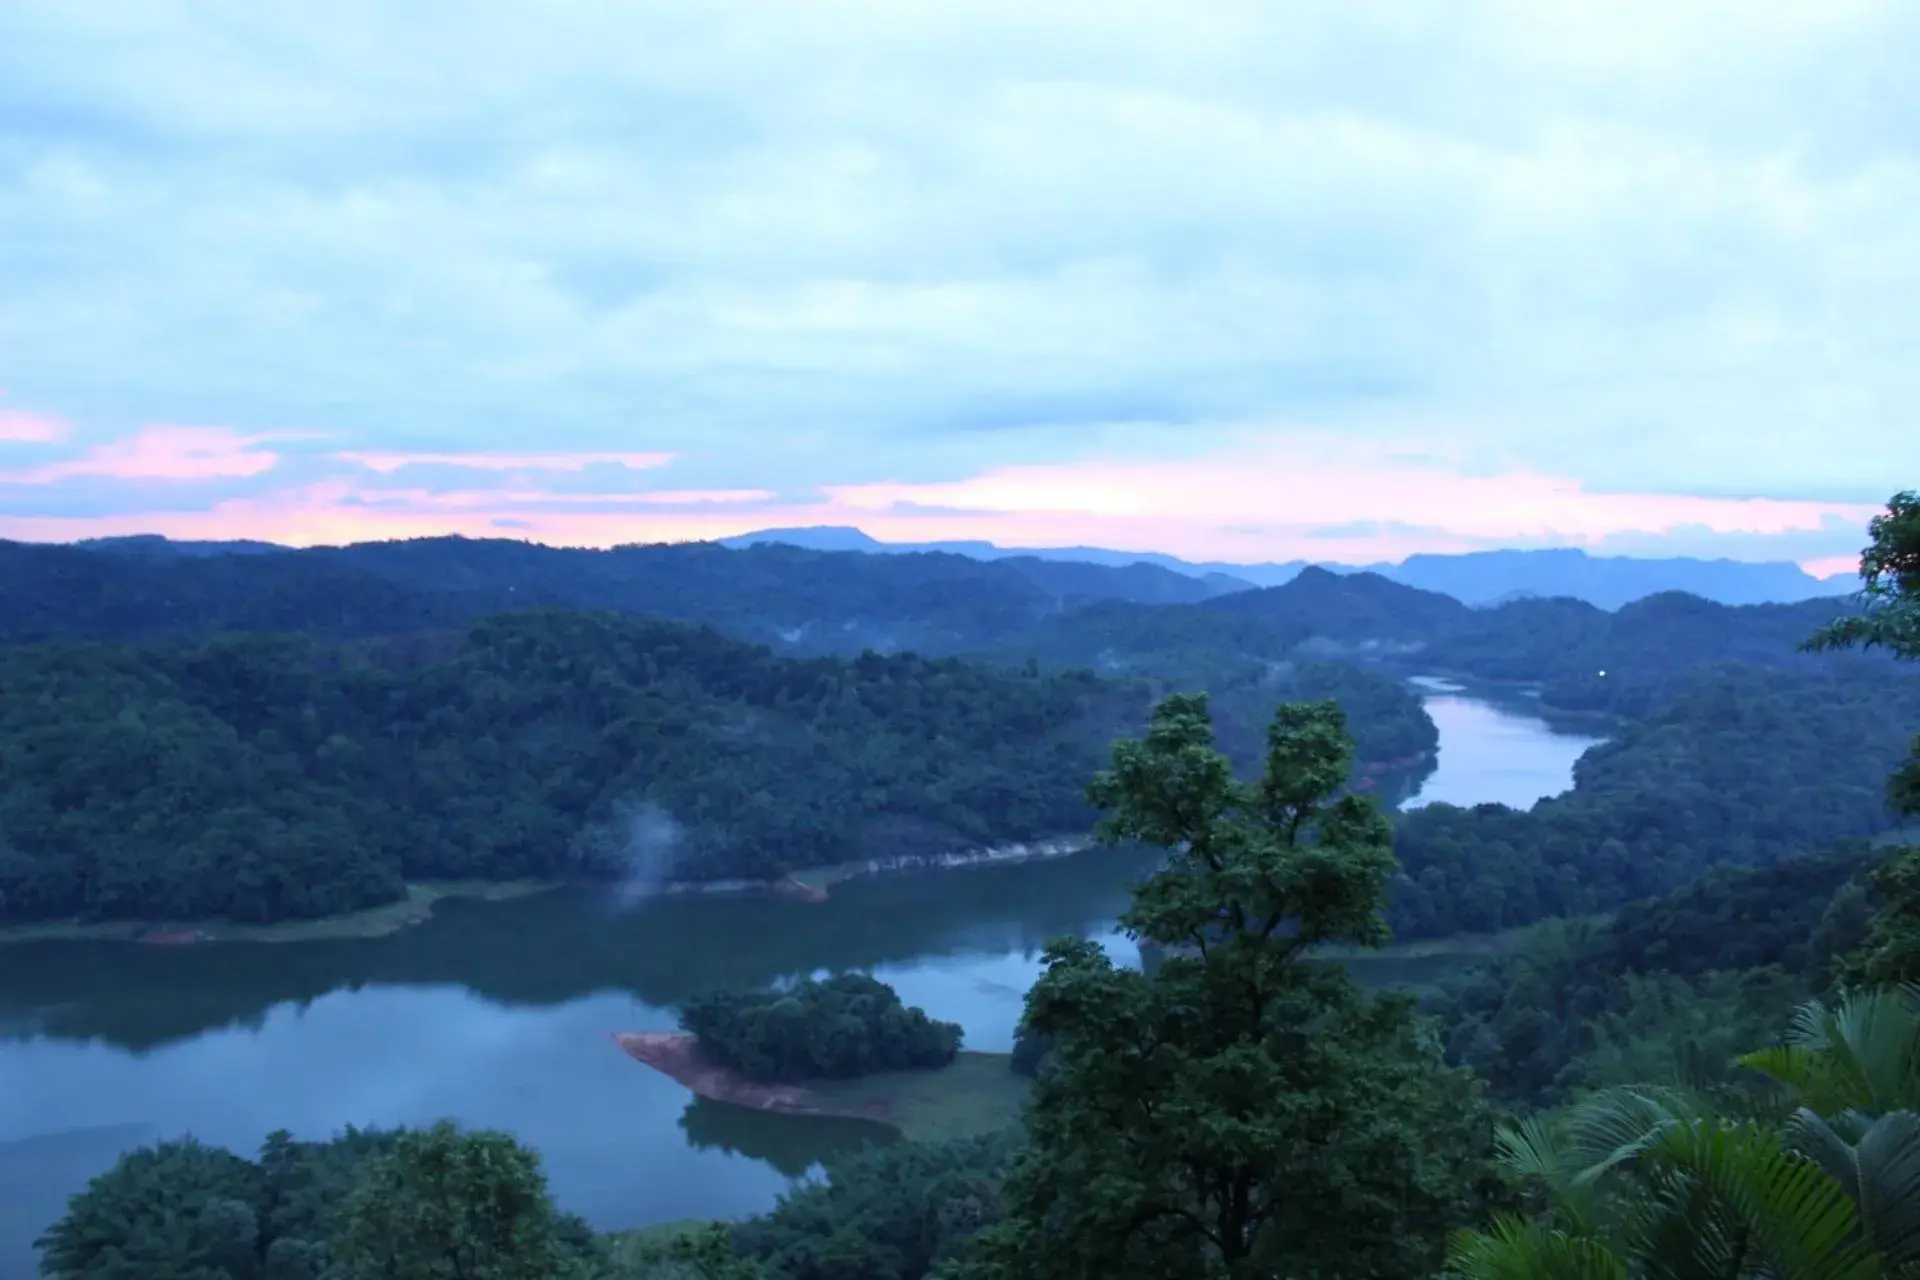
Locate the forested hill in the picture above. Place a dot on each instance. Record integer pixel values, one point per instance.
(1363, 609)
(1564, 639)
(1365, 615)
(802, 601)
(263, 777)
(818, 602)
(1736, 765)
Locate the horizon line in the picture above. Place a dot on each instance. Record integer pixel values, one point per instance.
(1837, 566)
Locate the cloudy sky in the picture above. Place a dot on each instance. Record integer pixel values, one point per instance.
(1246, 281)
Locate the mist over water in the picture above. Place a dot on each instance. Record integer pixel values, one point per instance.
(647, 841)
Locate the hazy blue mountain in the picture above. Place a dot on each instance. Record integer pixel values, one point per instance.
(1224, 577)
(1476, 578)
(1489, 577)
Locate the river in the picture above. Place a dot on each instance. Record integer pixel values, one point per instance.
(498, 1015)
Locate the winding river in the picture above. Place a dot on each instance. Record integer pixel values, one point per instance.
(498, 1014)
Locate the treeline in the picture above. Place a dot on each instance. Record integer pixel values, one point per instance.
(443, 1202)
(809, 602)
(259, 777)
(1240, 661)
(1739, 765)
(1667, 989)
(851, 1024)
(368, 1203)
(1138, 617)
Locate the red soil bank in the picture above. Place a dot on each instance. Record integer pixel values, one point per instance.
(677, 1056)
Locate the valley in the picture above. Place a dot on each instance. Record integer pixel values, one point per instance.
(498, 1013)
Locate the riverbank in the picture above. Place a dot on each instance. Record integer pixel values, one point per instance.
(374, 922)
(810, 885)
(978, 1094)
(816, 881)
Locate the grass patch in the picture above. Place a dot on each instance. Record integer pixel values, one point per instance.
(978, 1094)
(655, 1233)
(374, 922)
(1457, 946)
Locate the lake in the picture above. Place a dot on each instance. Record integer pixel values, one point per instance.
(499, 1014)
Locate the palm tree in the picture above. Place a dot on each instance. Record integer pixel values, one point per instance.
(1648, 1183)
(1854, 1069)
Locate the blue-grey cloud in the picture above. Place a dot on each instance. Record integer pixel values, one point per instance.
(1651, 249)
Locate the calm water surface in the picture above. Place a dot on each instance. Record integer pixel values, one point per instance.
(1496, 752)
(499, 1014)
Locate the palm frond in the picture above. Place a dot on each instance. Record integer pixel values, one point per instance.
(1514, 1249)
(1863, 1052)
(1785, 1209)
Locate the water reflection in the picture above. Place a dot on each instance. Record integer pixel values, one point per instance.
(792, 1144)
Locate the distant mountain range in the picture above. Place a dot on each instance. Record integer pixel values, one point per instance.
(1475, 578)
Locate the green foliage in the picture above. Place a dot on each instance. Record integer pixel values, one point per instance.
(1854, 1068)
(1890, 952)
(707, 1254)
(1890, 586)
(177, 1211)
(1361, 610)
(1668, 989)
(1030, 1050)
(262, 778)
(447, 1205)
(888, 1214)
(1244, 1110)
(1568, 643)
(1743, 766)
(802, 601)
(1243, 662)
(1641, 1182)
(851, 1024)
(367, 1204)
(1890, 619)
(1660, 1183)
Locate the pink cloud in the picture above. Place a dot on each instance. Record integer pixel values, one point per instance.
(20, 427)
(1270, 503)
(1832, 566)
(1328, 502)
(388, 463)
(163, 453)
(705, 497)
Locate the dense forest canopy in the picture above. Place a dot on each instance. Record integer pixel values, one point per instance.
(1238, 661)
(264, 777)
(1671, 987)
(802, 601)
(1740, 765)
(843, 602)
(851, 1024)
(369, 1203)
(345, 770)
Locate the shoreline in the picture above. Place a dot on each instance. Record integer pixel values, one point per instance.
(977, 1093)
(677, 1056)
(373, 922)
(808, 885)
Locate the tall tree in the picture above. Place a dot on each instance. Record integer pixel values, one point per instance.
(1890, 619)
(1245, 1110)
(448, 1205)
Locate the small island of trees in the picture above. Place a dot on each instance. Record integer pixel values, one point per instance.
(851, 1024)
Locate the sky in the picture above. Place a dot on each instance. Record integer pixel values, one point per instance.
(1332, 279)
